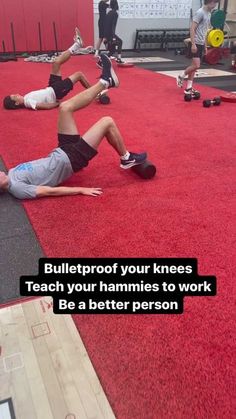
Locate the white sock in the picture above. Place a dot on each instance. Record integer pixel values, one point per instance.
(97, 53)
(119, 56)
(105, 83)
(189, 84)
(182, 75)
(125, 156)
(74, 48)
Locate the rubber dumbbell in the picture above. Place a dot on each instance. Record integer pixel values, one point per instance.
(192, 94)
(188, 97)
(208, 102)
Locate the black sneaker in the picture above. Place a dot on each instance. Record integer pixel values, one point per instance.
(188, 95)
(119, 61)
(188, 91)
(195, 94)
(179, 80)
(77, 38)
(108, 73)
(133, 160)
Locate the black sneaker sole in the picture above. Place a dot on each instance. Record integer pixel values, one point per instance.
(113, 74)
(128, 166)
(114, 77)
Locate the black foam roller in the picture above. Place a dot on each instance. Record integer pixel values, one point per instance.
(104, 99)
(146, 170)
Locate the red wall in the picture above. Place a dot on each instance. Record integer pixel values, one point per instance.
(25, 15)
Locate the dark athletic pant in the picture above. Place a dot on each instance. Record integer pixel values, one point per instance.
(113, 43)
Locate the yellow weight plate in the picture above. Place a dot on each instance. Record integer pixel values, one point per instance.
(215, 38)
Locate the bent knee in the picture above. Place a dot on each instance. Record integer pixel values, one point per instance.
(65, 107)
(55, 66)
(107, 120)
(196, 65)
(79, 75)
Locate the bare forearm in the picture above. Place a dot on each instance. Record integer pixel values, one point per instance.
(192, 34)
(65, 190)
(58, 191)
(47, 106)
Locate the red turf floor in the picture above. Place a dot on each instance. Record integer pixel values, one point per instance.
(151, 367)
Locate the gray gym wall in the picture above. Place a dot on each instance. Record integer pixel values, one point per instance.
(126, 28)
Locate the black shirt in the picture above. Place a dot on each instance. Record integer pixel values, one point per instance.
(102, 8)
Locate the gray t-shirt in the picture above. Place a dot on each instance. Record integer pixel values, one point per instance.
(203, 18)
(49, 171)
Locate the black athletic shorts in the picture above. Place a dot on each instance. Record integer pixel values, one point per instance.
(199, 53)
(60, 87)
(78, 151)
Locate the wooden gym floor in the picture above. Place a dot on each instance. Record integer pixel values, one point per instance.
(45, 372)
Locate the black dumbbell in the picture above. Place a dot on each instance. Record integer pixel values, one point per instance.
(187, 97)
(208, 102)
(196, 95)
(192, 94)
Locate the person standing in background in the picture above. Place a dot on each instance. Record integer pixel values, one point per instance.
(102, 8)
(111, 39)
(198, 33)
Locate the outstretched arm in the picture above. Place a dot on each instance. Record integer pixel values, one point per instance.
(65, 190)
(47, 106)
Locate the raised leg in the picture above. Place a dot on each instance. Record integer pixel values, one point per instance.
(66, 122)
(56, 65)
(65, 56)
